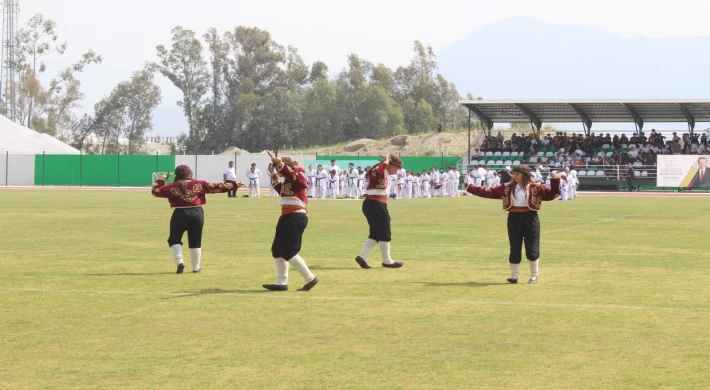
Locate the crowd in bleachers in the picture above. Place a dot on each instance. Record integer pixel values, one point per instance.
(598, 155)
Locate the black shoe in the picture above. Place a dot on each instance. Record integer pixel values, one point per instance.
(275, 287)
(362, 263)
(396, 264)
(180, 268)
(512, 280)
(308, 286)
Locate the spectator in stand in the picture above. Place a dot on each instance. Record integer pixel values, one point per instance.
(633, 152)
(704, 150)
(478, 154)
(630, 177)
(704, 139)
(615, 142)
(623, 139)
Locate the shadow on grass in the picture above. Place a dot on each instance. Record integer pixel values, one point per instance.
(356, 267)
(217, 291)
(134, 274)
(464, 284)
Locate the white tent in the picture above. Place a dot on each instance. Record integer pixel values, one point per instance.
(17, 139)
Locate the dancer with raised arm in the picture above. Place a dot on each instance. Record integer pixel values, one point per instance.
(522, 199)
(186, 196)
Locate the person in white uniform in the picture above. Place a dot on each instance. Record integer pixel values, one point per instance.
(443, 178)
(451, 189)
(434, 176)
(253, 174)
(311, 177)
(338, 171)
(481, 175)
(230, 176)
(424, 183)
(352, 183)
(489, 177)
(321, 179)
(270, 170)
(564, 184)
(333, 181)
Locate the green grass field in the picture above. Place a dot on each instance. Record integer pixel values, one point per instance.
(89, 298)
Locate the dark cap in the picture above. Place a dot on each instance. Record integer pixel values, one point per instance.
(522, 168)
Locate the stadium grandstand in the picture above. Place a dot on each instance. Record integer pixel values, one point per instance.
(600, 159)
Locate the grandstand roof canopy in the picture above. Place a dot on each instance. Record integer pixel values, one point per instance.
(538, 112)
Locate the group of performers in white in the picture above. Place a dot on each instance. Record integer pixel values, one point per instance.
(333, 182)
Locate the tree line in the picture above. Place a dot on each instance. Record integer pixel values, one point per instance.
(239, 88)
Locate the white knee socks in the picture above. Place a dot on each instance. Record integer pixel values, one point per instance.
(195, 257)
(300, 265)
(281, 271)
(385, 250)
(369, 244)
(534, 268)
(514, 270)
(177, 253)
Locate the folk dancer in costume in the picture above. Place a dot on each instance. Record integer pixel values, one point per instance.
(186, 196)
(333, 182)
(311, 177)
(321, 179)
(253, 174)
(292, 223)
(425, 184)
(375, 209)
(270, 170)
(230, 176)
(522, 199)
(352, 177)
(434, 176)
(443, 179)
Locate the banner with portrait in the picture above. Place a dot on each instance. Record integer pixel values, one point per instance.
(683, 171)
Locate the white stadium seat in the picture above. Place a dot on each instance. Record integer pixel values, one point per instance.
(540, 154)
(624, 146)
(500, 162)
(489, 154)
(582, 173)
(514, 154)
(496, 154)
(491, 162)
(600, 173)
(516, 162)
(606, 146)
(506, 154)
(644, 174)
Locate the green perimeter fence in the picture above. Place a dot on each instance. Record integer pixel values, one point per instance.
(136, 170)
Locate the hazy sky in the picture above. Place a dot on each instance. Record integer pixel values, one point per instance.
(126, 32)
